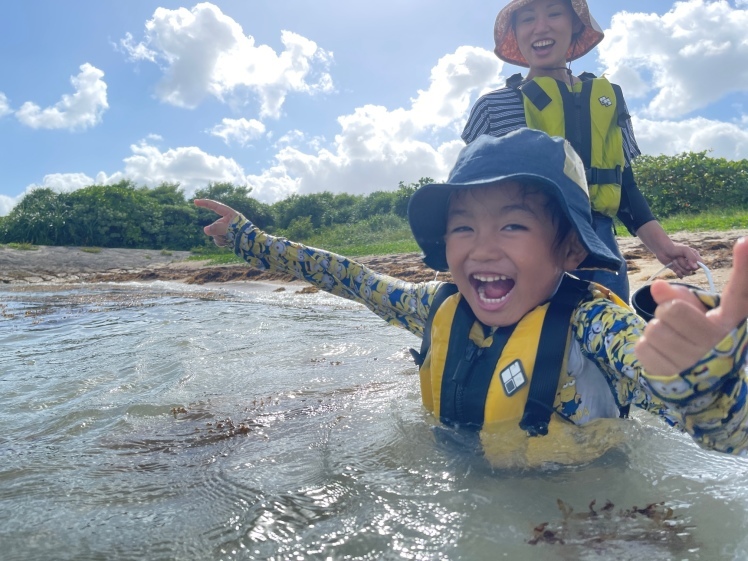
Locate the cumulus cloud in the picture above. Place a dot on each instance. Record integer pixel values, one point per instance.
(4, 105)
(722, 140)
(190, 166)
(206, 53)
(240, 131)
(80, 110)
(689, 57)
(376, 147)
(58, 182)
(7, 204)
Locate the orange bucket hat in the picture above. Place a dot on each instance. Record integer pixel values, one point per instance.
(507, 48)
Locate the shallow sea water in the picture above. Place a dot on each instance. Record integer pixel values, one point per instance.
(166, 421)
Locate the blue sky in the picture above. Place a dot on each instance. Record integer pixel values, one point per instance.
(292, 96)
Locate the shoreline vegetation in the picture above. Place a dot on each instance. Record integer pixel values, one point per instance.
(25, 264)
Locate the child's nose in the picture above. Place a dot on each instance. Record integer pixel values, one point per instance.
(487, 247)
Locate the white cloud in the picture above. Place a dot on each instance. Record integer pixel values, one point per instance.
(190, 166)
(722, 140)
(238, 130)
(7, 204)
(64, 182)
(377, 148)
(80, 110)
(689, 57)
(4, 105)
(204, 52)
(58, 182)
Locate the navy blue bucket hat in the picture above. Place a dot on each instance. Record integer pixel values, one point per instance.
(524, 155)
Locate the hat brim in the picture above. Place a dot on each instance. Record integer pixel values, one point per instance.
(429, 205)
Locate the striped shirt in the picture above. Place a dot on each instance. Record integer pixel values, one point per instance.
(502, 111)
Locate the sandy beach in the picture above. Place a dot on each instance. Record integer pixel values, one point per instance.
(72, 264)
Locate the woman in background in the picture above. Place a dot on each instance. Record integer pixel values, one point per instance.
(544, 36)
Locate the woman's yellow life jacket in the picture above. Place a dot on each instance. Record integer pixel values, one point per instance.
(504, 384)
(589, 115)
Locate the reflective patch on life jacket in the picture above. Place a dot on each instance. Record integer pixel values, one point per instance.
(513, 378)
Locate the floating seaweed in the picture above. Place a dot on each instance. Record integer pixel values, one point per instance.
(606, 528)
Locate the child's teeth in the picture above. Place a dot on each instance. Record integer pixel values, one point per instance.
(482, 295)
(490, 278)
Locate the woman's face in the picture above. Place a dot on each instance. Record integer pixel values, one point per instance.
(544, 32)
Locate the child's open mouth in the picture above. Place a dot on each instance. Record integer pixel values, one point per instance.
(491, 289)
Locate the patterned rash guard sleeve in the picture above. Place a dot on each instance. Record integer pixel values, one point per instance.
(709, 401)
(400, 303)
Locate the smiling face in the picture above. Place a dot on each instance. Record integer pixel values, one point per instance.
(544, 32)
(502, 250)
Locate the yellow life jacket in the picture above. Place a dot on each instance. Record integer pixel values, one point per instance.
(589, 115)
(483, 381)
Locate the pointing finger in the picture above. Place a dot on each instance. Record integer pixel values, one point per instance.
(215, 206)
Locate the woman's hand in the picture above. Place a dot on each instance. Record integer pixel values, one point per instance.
(683, 331)
(681, 259)
(217, 230)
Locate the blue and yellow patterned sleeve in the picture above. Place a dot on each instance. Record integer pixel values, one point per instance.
(398, 302)
(709, 400)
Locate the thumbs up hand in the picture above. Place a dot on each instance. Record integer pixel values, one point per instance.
(683, 330)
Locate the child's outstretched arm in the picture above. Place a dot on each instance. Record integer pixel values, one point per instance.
(398, 302)
(683, 331)
(694, 360)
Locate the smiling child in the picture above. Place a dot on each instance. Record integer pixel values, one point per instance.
(540, 364)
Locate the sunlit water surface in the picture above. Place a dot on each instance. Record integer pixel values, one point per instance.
(164, 421)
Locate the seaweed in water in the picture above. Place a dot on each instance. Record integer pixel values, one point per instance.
(605, 528)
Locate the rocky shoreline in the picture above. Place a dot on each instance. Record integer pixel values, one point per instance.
(48, 264)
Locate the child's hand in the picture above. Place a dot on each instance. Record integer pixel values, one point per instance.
(683, 331)
(219, 228)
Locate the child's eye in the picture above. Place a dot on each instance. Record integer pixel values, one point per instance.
(514, 227)
(458, 229)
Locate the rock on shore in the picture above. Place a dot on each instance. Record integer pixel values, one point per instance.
(74, 264)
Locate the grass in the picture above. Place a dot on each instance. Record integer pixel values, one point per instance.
(91, 249)
(713, 221)
(375, 236)
(383, 235)
(710, 221)
(22, 246)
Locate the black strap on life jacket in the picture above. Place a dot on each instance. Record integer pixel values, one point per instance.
(469, 370)
(446, 290)
(549, 361)
(537, 95)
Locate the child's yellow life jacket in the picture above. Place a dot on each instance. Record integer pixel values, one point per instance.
(589, 115)
(504, 384)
